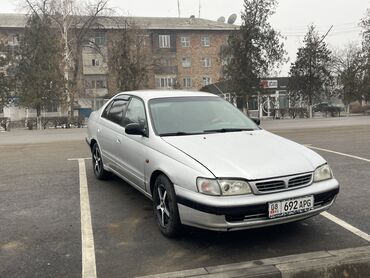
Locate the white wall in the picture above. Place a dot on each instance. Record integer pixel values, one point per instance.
(19, 113)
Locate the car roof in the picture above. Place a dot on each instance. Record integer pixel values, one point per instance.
(147, 95)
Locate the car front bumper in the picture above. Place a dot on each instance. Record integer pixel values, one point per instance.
(248, 211)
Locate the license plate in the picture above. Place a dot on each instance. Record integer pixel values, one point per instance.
(291, 206)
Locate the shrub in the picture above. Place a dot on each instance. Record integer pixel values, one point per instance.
(298, 112)
(5, 123)
(333, 111)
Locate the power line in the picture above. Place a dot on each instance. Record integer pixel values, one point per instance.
(339, 27)
(336, 31)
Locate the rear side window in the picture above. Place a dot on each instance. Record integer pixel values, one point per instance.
(135, 113)
(106, 110)
(115, 111)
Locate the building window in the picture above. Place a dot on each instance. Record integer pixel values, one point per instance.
(13, 40)
(95, 62)
(185, 41)
(98, 84)
(165, 62)
(206, 62)
(206, 80)
(164, 82)
(97, 103)
(164, 41)
(52, 107)
(253, 103)
(186, 62)
(206, 42)
(99, 38)
(187, 82)
(283, 101)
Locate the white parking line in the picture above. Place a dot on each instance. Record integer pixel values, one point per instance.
(87, 237)
(85, 158)
(346, 226)
(344, 154)
(333, 218)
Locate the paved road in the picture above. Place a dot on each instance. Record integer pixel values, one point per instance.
(291, 124)
(40, 233)
(22, 136)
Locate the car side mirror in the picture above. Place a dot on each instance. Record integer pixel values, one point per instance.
(256, 120)
(134, 129)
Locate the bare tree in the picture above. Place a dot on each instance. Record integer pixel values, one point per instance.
(349, 66)
(365, 24)
(129, 58)
(75, 21)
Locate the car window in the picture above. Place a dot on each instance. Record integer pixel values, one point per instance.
(135, 113)
(116, 111)
(106, 110)
(196, 115)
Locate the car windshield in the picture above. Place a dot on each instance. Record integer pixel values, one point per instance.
(196, 115)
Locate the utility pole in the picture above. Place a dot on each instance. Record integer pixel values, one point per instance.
(326, 34)
(199, 9)
(178, 8)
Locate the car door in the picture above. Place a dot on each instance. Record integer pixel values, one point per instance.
(111, 133)
(133, 153)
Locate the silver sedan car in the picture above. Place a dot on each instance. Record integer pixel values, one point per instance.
(203, 163)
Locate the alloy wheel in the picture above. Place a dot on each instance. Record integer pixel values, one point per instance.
(162, 206)
(97, 162)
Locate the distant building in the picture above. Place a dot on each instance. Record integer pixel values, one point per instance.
(187, 50)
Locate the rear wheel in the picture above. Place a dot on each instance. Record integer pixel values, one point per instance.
(97, 162)
(165, 207)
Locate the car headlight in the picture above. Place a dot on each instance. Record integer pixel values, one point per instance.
(234, 187)
(223, 187)
(322, 173)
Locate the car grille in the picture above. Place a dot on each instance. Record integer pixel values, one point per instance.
(270, 185)
(282, 183)
(298, 181)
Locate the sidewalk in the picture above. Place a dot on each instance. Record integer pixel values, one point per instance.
(23, 136)
(351, 262)
(270, 124)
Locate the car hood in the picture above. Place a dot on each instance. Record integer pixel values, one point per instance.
(249, 154)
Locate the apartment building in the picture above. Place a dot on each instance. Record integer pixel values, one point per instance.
(184, 53)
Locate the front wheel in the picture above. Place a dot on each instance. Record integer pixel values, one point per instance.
(165, 207)
(97, 162)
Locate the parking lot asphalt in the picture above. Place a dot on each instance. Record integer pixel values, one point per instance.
(40, 225)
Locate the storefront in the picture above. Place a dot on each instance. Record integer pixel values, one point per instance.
(272, 96)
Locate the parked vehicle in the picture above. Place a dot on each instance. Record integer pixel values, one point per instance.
(205, 164)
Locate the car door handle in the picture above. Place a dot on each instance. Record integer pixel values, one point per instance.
(118, 141)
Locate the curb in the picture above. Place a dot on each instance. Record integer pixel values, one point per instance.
(351, 262)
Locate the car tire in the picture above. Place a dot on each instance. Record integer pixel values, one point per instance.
(97, 163)
(165, 207)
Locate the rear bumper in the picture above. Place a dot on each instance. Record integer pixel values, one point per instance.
(249, 211)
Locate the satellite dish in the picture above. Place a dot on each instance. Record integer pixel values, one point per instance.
(221, 19)
(232, 19)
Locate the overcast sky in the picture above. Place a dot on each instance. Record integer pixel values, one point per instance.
(292, 16)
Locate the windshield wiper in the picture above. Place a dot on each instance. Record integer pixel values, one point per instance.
(228, 130)
(179, 133)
